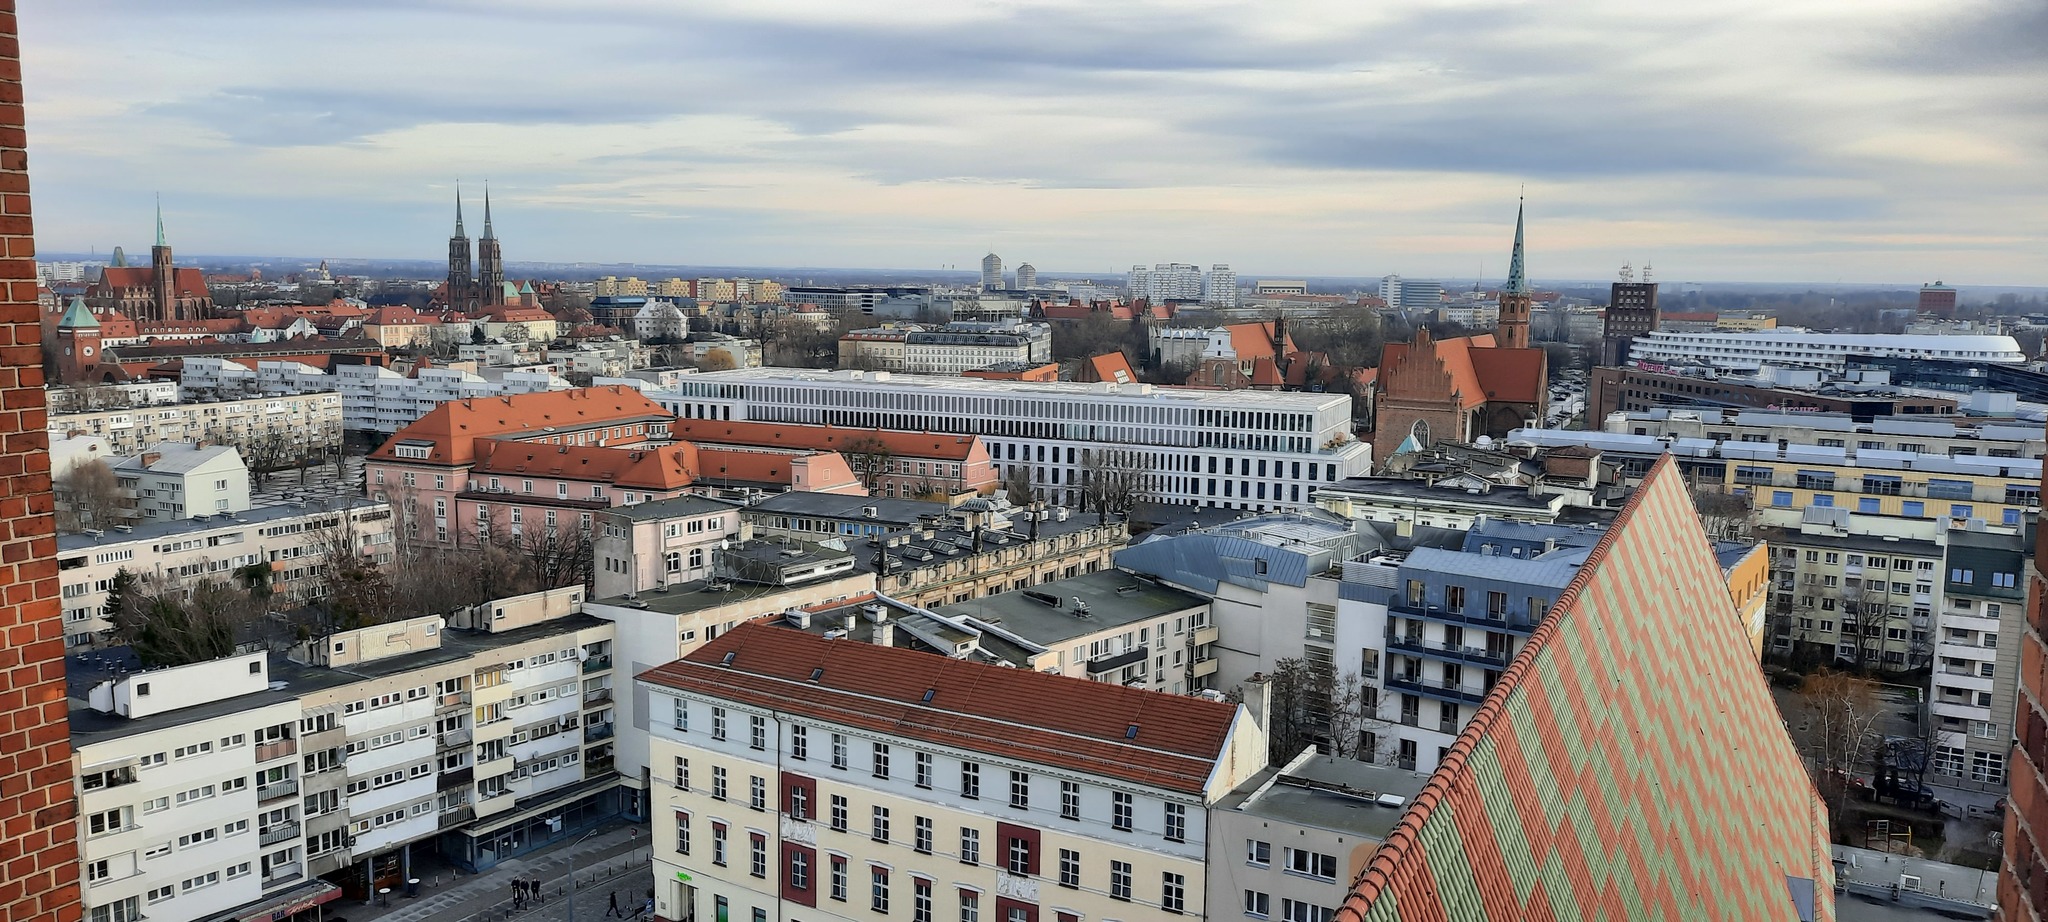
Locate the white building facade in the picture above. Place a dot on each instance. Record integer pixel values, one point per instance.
(306, 422)
(1804, 348)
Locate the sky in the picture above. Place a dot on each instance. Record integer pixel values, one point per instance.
(1892, 141)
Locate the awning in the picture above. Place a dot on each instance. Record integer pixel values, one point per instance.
(282, 906)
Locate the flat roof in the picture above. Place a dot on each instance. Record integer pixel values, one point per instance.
(674, 507)
(1113, 597)
(1792, 536)
(1416, 489)
(888, 510)
(256, 515)
(1340, 795)
(884, 380)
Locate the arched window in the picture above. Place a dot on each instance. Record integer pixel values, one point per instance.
(696, 558)
(675, 561)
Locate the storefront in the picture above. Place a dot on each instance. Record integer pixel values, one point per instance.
(555, 816)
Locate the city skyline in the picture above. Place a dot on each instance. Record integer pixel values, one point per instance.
(1799, 142)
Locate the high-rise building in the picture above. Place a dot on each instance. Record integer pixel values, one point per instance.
(1514, 298)
(1027, 276)
(1938, 299)
(2023, 879)
(1411, 294)
(991, 273)
(1138, 282)
(39, 882)
(1219, 287)
(1631, 312)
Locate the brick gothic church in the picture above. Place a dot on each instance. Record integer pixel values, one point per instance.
(161, 292)
(1456, 390)
(466, 293)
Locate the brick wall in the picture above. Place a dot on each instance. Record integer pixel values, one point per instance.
(38, 817)
(2023, 880)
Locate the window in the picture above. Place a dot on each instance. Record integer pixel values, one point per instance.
(718, 723)
(799, 870)
(839, 820)
(970, 845)
(757, 792)
(1297, 911)
(1020, 790)
(1257, 905)
(800, 743)
(1988, 767)
(718, 844)
(1176, 823)
(1257, 853)
(1173, 892)
(838, 751)
(970, 780)
(970, 907)
(921, 836)
(1018, 859)
(1070, 868)
(682, 833)
(1120, 811)
(757, 855)
(1120, 880)
(878, 889)
(96, 871)
(881, 764)
(108, 821)
(682, 778)
(717, 782)
(878, 829)
(757, 731)
(923, 769)
(839, 878)
(1312, 864)
(1781, 499)
(683, 716)
(1070, 800)
(799, 801)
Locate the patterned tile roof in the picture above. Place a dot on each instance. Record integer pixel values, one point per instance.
(1628, 765)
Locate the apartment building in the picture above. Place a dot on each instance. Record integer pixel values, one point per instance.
(790, 783)
(1106, 626)
(381, 400)
(1290, 840)
(1419, 503)
(1861, 589)
(304, 423)
(890, 462)
(262, 784)
(214, 378)
(877, 348)
(176, 480)
(663, 543)
(293, 541)
(1954, 438)
(963, 345)
(1936, 487)
(1234, 449)
(1974, 685)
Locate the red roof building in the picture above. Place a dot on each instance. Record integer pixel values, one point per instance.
(888, 463)
(1456, 390)
(1630, 763)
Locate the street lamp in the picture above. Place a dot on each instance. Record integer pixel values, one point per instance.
(572, 871)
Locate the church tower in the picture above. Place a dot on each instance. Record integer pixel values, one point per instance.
(490, 275)
(78, 343)
(162, 275)
(461, 285)
(1513, 331)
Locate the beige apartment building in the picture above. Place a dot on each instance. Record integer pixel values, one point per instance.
(801, 777)
(306, 423)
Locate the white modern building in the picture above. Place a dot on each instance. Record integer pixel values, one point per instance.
(992, 273)
(963, 346)
(1411, 294)
(1231, 449)
(1027, 276)
(1168, 282)
(382, 400)
(180, 480)
(1219, 287)
(211, 378)
(1801, 347)
(307, 423)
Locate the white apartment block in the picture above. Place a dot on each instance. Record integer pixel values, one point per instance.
(110, 396)
(959, 347)
(254, 784)
(382, 400)
(210, 378)
(782, 791)
(310, 423)
(1167, 282)
(293, 541)
(1219, 287)
(1973, 687)
(177, 480)
(1800, 347)
(1231, 449)
(1956, 439)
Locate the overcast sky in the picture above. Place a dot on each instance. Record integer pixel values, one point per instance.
(1775, 140)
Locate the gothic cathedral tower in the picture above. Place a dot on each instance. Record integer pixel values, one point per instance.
(1513, 331)
(490, 277)
(163, 275)
(461, 285)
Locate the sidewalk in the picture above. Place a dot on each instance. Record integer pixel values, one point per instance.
(615, 859)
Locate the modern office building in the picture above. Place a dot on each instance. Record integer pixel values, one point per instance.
(1956, 438)
(1411, 294)
(1798, 347)
(1631, 312)
(1610, 390)
(1628, 753)
(992, 273)
(1027, 276)
(1237, 449)
(804, 777)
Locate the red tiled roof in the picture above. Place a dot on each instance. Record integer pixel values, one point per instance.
(1114, 367)
(822, 438)
(1255, 340)
(670, 467)
(769, 468)
(454, 426)
(1066, 723)
(185, 283)
(1515, 375)
(400, 314)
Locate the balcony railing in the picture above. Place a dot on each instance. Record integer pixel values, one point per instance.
(1441, 614)
(458, 816)
(1464, 654)
(454, 739)
(277, 789)
(276, 749)
(455, 700)
(597, 663)
(1440, 690)
(283, 873)
(454, 779)
(597, 697)
(281, 832)
(597, 731)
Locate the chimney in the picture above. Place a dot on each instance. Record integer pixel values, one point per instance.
(1258, 699)
(885, 634)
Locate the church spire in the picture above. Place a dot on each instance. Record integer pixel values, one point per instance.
(487, 212)
(458, 210)
(160, 221)
(1518, 283)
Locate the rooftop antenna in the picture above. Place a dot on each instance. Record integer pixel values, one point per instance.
(1646, 271)
(1628, 272)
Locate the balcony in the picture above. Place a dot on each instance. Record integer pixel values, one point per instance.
(597, 663)
(454, 779)
(456, 817)
(453, 700)
(277, 789)
(454, 739)
(1204, 668)
(1455, 654)
(597, 731)
(283, 874)
(1442, 615)
(281, 832)
(597, 697)
(1206, 636)
(1438, 690)
(266, 752)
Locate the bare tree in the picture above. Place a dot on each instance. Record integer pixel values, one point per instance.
(90, 496)
(1724, 516)
(86, 397)
(870, 459)
(1017, 484)
(173, 627)
(1844, 710)
(1114, 481)
(1309, 705)
(267, 453)
(555, 558)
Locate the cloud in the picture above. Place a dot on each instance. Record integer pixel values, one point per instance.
(1738, 138)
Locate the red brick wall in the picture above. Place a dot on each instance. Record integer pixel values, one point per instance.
(38, 827)
(2023, 881)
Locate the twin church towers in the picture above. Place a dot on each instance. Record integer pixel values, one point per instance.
(487, 287)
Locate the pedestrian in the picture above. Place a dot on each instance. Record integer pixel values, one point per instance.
(535, 884)
(614, 910)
